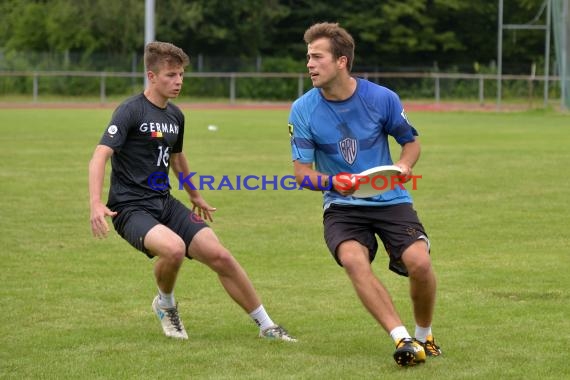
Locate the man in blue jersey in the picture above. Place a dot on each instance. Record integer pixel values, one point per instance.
(342, 125)
(144, 137)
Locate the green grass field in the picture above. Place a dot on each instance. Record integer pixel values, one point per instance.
(493, 197)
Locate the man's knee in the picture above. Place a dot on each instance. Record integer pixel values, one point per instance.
(353, 256)
(420, 269)
(417, 260)
(172, 250)
(165, 243)
(221, 258)
(177, 250)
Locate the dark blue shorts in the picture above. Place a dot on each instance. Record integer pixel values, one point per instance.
(135, 220)
(397, 226)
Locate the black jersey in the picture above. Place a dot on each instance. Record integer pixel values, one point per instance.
(142, 136)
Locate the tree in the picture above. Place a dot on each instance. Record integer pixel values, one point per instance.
(390, 34)
(220, 27)
(72, 25)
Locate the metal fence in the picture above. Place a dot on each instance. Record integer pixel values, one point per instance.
(436, 86)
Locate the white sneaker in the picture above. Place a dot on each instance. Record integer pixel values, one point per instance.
(170, 321)
(278, 333)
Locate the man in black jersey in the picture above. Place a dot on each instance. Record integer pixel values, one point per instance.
(143, 139)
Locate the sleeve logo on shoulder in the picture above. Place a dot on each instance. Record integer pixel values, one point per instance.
(405, 117)
(112, 129)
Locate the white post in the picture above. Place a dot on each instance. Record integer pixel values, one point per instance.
(149, 34)
(481, 90)
(500, 55)
(35, 88)
(547, 52)
(232, 88)
(564, 55)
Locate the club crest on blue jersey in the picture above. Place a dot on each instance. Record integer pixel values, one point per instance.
(348, 147)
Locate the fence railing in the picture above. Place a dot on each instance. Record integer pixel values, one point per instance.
(436, 88)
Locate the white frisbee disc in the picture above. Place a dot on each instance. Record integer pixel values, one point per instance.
(377, 180)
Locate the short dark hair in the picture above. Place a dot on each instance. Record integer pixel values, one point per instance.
(157, 53)
(342, 43)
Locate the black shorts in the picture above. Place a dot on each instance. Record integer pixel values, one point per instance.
(398, 227)
(134, 221)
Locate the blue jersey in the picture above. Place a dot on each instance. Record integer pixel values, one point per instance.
(350, 136)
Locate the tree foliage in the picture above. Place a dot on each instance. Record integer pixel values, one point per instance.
(390, 34)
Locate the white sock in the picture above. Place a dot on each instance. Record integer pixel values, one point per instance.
(166, 300)
(261, 318)
(422, 333)
(399, 333)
